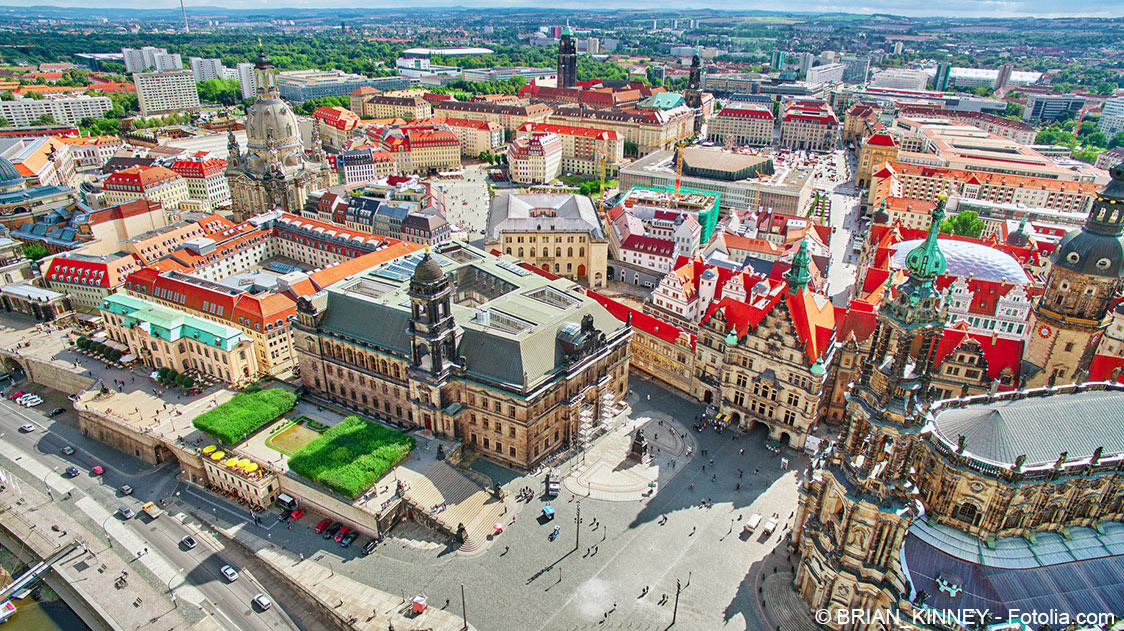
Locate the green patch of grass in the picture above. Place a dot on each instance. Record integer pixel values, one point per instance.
(352, 455)
(244, 414)
(292, 439)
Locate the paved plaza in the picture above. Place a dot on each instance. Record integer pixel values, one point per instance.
(632, 537)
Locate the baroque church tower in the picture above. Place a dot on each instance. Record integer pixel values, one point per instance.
(567, 59)
(1085, 279)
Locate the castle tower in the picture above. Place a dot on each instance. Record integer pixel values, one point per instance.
(1076, 306)
(567, 59)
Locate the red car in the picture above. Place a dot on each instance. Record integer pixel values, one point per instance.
(324, 523)
(342, 533)
(296, 514)
(15, 395)
(98, 469)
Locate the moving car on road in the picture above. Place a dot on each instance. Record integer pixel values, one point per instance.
(97, 469)
(230, 573)
(188, 542)
(125, 489)
(55, 412)
(263, 602)
(27, 427)
(126, 512)
(72, 472)
(68, 450)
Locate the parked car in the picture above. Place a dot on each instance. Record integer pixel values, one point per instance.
(97, 469)
(331, 531)
(125, 489)
(188, 542)
(320, 527)
(68, 450)
(55, 412)
(348, 539)
(342, 533)
(296, 514)
(230, 573)
(126, 512)
(263, 602)
(72, 472)
(370, 547)
(27, 427)
(32, 402)
(15, 395)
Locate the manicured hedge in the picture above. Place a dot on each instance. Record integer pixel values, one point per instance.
(351, 455)
(244, 414)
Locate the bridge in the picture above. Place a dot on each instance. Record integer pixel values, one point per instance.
(35, 572)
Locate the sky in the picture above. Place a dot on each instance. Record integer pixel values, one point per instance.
(965, 8)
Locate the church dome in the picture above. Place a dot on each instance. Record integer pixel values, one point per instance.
(10, 178)
(268, 114)
(428, 270)
(966, 258)
(1097, 248)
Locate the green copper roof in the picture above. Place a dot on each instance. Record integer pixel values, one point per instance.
(732, 338)
(566, 29)
(926, 260)
(798, 276)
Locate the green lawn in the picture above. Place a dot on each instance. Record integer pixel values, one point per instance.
(244, 414)
(352, 455)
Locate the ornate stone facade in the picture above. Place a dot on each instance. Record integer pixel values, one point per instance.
(274, 173)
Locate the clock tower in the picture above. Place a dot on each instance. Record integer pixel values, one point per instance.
(1075, 308)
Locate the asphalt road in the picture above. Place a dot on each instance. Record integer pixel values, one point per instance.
(200, 567)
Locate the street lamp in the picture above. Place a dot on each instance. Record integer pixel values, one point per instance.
(108, 540)
(48, 486)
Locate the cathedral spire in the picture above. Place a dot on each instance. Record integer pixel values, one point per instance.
(799, 276)
(926, 261)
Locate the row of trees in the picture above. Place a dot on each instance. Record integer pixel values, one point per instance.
(168, 377)
(98, 348)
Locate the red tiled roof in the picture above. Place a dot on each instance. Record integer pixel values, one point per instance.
(1102, 367)
(570, 130)
(124, 211)
(144, 177)
(648, 245)
(882, 140)
(640, 320)
(998, 353)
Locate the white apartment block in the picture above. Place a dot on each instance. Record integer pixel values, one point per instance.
(827, 73)
(900, 79)
(1112, 117)
(138, 59)
(246, 79)
(165, 92)
(206, 69)
(535, 159)
(66, 110)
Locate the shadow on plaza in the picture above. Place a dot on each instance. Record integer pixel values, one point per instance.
(733, 478)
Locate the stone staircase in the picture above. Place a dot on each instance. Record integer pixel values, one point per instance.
(465, 502)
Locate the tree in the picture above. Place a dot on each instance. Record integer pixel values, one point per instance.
(222, 91)
(5, 122)
(1117, 140)
(965, 224)
(44, 119)
(35, 251)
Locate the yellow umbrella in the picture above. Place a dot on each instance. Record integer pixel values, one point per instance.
(252, 467)
(218, 455)
(232, 462)
(209, 448)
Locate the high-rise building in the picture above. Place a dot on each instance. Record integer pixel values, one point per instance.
(900, 79)
(1003, 77)
(827, 73)
(567, 59)
(206, 69)
(1048, 107)
(164, 92)
(855, 69)
(942, 77)
(138, 59)
(898, 47)
(246, 79)
(1112, 117)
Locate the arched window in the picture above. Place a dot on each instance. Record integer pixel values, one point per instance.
(532, 252)
(520, 252)
(509, 251)
(968, 513)
(581, 251)
(570, 251)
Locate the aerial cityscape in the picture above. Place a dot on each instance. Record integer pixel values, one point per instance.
(546, 318)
